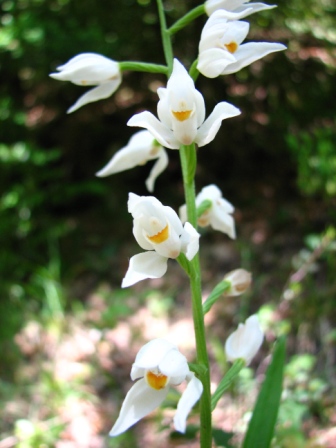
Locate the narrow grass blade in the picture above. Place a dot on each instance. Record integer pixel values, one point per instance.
(261, 428)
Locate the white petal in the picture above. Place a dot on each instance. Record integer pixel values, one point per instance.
(83, 60)
(173, 219)
(210, 192)
(221, 32)
(139, 402)
(133, 200)
(241, 8)
(88, 69)
(213, 62)
(251, 52)
(245, 341)
(190, 241)
(157, 169)
(144, 265)
(137, 372)
(222, 221)
(131, 155)
(174, 364)
(98, 93)
(237, 15)
(151, 354)
(210, 127)
(159, 131)
(251, 8)
(183, 213)
(189, 397)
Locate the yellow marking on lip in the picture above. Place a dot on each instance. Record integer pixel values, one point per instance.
(160, 237)
(182, 116)
(156, 380)
(232, 47)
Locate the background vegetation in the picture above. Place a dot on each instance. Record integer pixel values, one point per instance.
(65, 235)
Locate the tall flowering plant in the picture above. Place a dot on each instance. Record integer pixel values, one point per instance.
(182, 124)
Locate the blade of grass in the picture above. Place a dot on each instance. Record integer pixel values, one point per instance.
(261, 427)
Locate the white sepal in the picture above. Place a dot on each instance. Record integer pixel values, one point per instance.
(189, 397)
(139, 402)
(158, 130)
(210, 127)
(98, 93)
(145, 265)
(235, 9)
(140, 149)
(159, 166)
(190, 241)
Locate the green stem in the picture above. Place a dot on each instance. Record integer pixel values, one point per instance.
(143, 67)
(188, 163)
(227, 381)
(193, 72)
(185, 20)
(166, 40)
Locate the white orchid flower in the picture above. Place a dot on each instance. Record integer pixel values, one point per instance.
(181, 111)
(90, 69)
(221, 51)
(141, 148)
(236, 9)
(218, 215)
(158, 364)
(245, 341)
(159, 231)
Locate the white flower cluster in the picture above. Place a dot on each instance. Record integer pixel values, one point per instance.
(181, 121)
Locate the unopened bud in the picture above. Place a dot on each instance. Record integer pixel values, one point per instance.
(245, 341)
(240, 280)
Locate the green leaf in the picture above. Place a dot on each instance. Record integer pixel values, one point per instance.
(261, 428)
(227, 381)
(215, 294)
(184, 263)
(203, 207)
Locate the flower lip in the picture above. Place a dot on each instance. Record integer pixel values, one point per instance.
(182, 115)
(157, 380)
(232, 47)
(161, 236)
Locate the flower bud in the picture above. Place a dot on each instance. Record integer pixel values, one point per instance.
(245, 341)
(240, 280)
